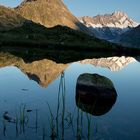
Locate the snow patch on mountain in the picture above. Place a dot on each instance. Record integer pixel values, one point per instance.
(109, 26)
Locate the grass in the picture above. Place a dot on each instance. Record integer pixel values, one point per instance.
(53, 134)
(89, 125)
(19, 121)
(23, 118)
(4, 127)
(59, 120)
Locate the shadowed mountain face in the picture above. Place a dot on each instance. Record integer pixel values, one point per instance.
(95, 94)
(43, 72)
(9, 18)
(49, 13)
(131, 38)
(113, 63)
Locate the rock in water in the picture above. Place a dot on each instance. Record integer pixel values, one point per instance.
(95, 94)
(7, 117)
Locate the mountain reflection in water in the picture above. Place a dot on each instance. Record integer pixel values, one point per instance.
(43, 71)
(46, 71)
(70, 98)
(113, 63)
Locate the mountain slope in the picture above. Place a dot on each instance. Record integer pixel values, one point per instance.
(131, 38)
(23, 32)
(49, 13)
(58, 37)
(109, 26)
(9, 18)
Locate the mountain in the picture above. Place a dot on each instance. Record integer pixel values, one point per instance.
(31, 34)
(113, 63)
(9, 18)
(19, 31)
(131, 38)
(49, 13)
(109, 26)
(43, 71)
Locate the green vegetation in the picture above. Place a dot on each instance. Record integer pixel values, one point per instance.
(60, 44)
(25, 31)
(31, 34)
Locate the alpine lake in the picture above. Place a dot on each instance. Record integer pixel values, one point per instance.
(96, 98)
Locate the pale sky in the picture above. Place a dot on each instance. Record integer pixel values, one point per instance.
(94, 7)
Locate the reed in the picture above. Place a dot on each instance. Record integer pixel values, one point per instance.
(57, 121)
(58, 105)
(53, 134)
(4, 128)
(89, 125)
(17, 121)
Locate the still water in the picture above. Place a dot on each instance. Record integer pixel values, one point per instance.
(93, 99)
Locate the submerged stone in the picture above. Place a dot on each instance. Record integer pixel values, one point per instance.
(95, 94)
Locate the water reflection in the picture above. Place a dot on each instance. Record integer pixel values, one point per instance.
(46, 71)
(54, 114)
(95, 94)
(113, 63)
(56, 122)
(43, 71)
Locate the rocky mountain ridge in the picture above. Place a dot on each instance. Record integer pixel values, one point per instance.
(45, 22)
(9, 18)
(49, 13)
(109, 26)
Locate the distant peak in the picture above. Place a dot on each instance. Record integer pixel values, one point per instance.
(119, 13)
(28, 1)
(40, 1)
(37, 0)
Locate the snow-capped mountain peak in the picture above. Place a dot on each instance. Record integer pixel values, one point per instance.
(117, 19)
(109, 26)
(119, 14)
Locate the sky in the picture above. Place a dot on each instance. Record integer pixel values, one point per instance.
(94, 7)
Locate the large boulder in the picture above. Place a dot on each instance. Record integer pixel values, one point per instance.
(95, 94)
